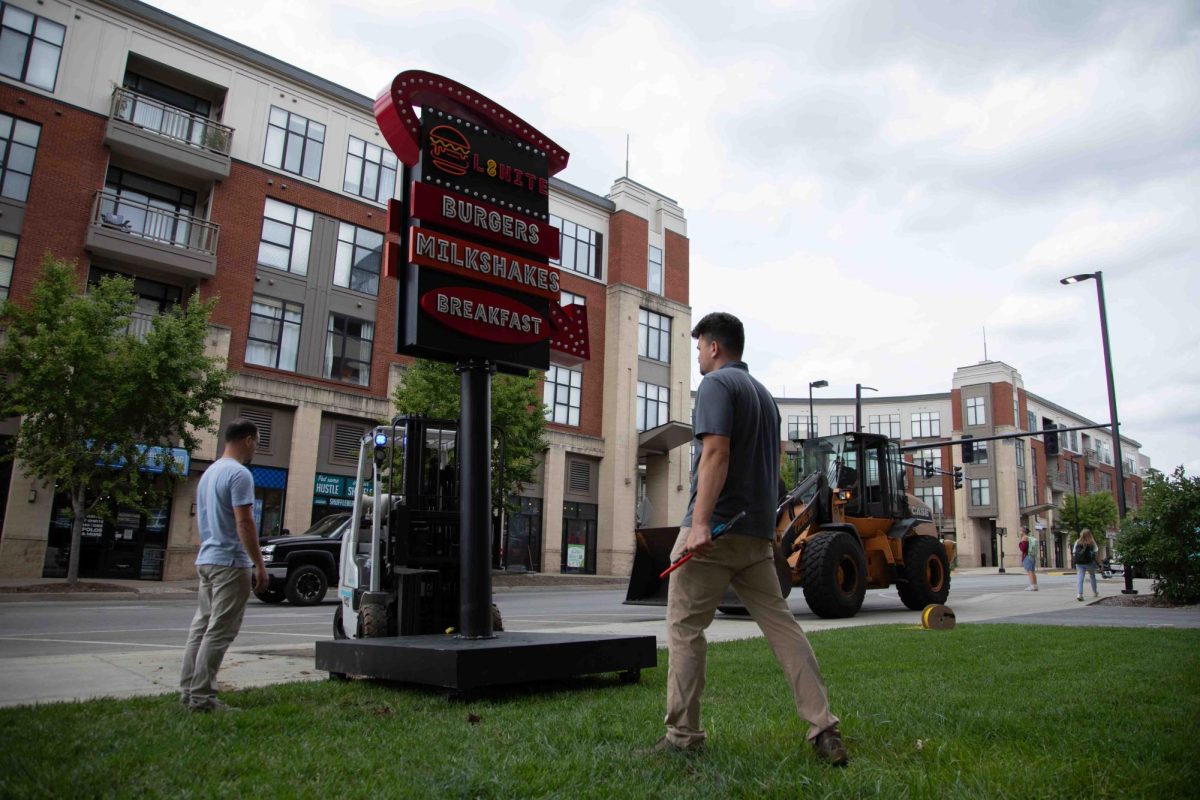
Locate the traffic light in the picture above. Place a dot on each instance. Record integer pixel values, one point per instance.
(928, 471)
(958, 477)
(968, 450)
(1050, 439)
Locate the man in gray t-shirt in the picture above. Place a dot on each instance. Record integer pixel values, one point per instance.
(735, 469)
(228, 551)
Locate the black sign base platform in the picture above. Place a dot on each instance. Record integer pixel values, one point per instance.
(509, 658)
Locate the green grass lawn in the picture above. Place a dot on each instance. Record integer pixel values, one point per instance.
(987, 711)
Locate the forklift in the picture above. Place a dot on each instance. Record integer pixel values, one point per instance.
(403, 592)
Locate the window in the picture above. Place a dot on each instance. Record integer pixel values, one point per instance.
(652, 405)
(348, 349)
(976, 413)
(1021, 501)
(885, 424)
(981, 453)
(8, 254)
(571, 299)
(980, 493)
(930, 496)
(794, 427)
(841, 424)
(562, 393)
(286, 236)
(370, 171)
(29, 47)
(654, 270)
(294, 144)
(148, 207)
(18, 146)
(581, 247)
(1031, 420)
(926, 424)
(933, 454)
(359, 253)
(274, 336)
(654, 336)
(153, 299)
(1020, 447)
(1074, 436)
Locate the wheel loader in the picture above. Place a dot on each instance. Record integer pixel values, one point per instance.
(846, 526)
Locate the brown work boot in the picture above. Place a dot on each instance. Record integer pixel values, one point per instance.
(829, 748)
(665, 745)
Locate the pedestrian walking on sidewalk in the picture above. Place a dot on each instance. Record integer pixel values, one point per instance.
(735, 468)
(1029, 546)
(1085, 560)
(228, 552)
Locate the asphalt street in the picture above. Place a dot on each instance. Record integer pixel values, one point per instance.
(53, 650)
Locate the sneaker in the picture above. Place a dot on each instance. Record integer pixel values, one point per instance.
(1095, 594)
(209, 706)
(665, 745)
(185, 698)
(1079, 597)
(829, 748)
(1033, 588)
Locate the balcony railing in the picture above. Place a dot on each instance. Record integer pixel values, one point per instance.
(147, 221)
(173, 123)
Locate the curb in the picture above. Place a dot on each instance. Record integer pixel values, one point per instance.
(75, 597)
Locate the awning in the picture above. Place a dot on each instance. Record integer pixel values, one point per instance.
(1038, 509)
(157, 459)
(663, 439)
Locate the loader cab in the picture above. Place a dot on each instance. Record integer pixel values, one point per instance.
(865, 469)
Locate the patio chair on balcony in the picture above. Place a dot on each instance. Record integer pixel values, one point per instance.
(111, 220)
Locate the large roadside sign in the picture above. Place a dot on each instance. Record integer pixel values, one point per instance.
(471, 241)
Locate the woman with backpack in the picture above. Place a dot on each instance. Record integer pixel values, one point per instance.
(1085, 559)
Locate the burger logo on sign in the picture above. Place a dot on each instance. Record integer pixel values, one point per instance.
(450, 149)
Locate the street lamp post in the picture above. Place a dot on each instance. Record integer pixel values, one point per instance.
(1119, 466)
(858, 387)
(811, 432)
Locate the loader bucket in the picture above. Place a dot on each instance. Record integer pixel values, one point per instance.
(651, 557)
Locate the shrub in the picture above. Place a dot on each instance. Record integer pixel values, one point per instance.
(1163, 538)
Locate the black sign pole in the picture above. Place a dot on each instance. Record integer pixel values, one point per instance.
(475, 500)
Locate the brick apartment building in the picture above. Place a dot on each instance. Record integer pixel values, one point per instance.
(142, 145)
(1009, 484)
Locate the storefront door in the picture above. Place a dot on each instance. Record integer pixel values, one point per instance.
(579, 538)
(131, 545)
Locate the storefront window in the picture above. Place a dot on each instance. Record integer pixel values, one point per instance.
(523, 551)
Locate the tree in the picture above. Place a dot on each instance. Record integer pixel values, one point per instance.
(96, 400)
(432, 388)
(1163, 537)
(1097, 512)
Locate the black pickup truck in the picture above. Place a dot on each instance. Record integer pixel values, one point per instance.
(302, 568)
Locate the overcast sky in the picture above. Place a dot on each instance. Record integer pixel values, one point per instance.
(867, 184)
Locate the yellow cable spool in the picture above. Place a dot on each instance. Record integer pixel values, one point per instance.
(937, 617)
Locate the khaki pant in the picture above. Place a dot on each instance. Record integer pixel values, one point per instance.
(696, 590)
(223, 595)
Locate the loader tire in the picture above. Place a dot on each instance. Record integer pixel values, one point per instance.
(834, 574)
(926, 572)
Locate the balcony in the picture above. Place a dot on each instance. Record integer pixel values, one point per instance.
(140, 325)
(1090, 459)
(150, 132)
(162, 241)
(1060, 480)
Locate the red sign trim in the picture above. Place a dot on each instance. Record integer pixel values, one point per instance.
(485, 315)
(402, 129)
(482, 262)
(435, 205)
